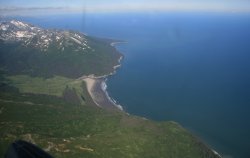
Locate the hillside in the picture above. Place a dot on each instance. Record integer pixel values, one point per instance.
(30, 50)
(42, 100)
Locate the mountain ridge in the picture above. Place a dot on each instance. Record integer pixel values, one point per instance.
(30, 35)
(38, 48)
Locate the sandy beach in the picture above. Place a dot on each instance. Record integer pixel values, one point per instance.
(96, 86)
(97, 89)
(90, 83)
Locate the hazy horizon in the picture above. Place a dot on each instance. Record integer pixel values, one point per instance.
(28, 7)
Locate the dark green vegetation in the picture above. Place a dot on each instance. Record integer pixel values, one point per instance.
(42, 101)
(18, 59)
(70, 130)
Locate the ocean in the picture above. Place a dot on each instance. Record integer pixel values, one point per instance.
(192, 68)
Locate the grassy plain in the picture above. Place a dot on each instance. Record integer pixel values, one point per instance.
(55, 86)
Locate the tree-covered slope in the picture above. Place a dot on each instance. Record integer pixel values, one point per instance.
(26, 49)
(69, 130)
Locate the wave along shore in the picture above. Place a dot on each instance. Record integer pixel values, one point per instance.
(97, 87)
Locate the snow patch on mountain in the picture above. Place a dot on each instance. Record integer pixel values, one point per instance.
(29, 35)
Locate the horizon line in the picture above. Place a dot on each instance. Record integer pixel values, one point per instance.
(22, 11)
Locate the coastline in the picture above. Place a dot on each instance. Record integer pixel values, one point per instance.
(118, 42)
(97, 87)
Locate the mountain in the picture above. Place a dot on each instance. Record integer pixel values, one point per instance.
(32, 36)
(43, 100)
(43, 52)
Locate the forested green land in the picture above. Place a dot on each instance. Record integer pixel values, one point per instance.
(43, 102)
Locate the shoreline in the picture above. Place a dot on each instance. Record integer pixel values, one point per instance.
(94, 83)
(115, 43)
(97, 87)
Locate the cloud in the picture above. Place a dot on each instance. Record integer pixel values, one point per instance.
(128, 6)
(32, 11)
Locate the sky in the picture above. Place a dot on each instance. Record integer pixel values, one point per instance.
(56, 6)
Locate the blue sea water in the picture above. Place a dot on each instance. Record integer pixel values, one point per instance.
(193, 68)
